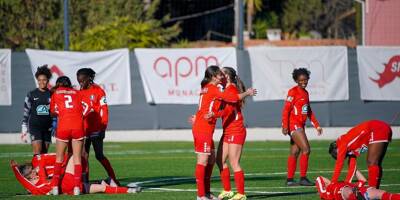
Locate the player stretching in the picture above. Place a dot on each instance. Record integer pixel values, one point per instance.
(37, 120)
(35, 177)
(203, 128)
(295, 112)
(95, 124)
(372, 136)
(233, 138)
(67, 104)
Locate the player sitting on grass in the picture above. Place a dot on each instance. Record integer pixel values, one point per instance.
(36, 178)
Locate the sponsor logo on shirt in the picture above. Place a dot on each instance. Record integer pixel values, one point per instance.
(304, 109)
(35, 98)
(42, 110)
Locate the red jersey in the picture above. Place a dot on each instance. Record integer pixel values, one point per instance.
(232, 118)
(67, 104)
(297, 109)
(356, 141)
(97, 119)
(210, 101)
(333, 191)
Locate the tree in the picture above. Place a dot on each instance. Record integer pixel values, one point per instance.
(252, 7)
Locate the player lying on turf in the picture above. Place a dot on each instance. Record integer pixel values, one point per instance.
(36, 177)
(372, 137)
(347, 191)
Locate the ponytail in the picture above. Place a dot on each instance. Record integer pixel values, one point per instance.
(234, 78)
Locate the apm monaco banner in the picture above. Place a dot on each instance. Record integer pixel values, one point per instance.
(173, 76)
(5, 77)
(272, 67)
(111, 67)
(379, 73)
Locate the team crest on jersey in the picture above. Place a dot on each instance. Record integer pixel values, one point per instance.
(103, 101)
(42, 110)
(92, 97)
(289, 98)
(304, 109)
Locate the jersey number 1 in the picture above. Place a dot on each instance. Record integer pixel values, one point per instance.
(68, 101)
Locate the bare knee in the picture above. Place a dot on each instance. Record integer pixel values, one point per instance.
(306, 151)
(294, 152)
(371, 162)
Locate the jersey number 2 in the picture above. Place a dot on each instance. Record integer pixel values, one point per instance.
(68, 101)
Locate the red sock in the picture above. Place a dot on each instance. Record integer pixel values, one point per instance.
(107, 165)
(239, 181)
(303, 165)
(390, 196)
(291, 166)
(373, 176)
(56, 176)
(226, 179)
(200, 172)
(116, 190)
(207, 177)
(77, 175)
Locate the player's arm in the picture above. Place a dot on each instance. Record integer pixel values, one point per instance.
(53, 106)
(233, 97)
(103, 109)
(27, 109)
(351, 169)
(314, 120)
(22, 180)
(287, 108)
(341, 156)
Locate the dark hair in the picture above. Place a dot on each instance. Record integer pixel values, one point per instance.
(89, 72)
(333, 150)
(235, 79)
(63, 81)
(25, 169)
(300, 71)
(210, 72)
(43, 70)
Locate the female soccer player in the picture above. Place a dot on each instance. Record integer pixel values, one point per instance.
(232, 140)
(347, 191)
(372, 136)
(203, 127)
(37, 120)
(96, 121)
(295, 112)
(66, 104)
(34, 177)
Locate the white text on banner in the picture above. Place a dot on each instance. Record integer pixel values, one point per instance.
(5, 77)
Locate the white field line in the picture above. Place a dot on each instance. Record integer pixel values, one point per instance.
(164, 151)
(247, 175)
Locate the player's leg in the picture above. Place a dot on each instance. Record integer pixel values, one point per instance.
(376, 153)
(235, 152)
(37, 140)
(99, 153)
(292, 163)
(37, 147)
(46, 135)
(299, 137)
(85, 154)
(208, 173)
(61, 145)
(222, 155)
(77, 145)
(202, 160)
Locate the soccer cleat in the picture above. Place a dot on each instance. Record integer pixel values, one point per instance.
(305, 182)
(211, 196)
(54, 190)
(77, 191)
(134, 190)
(225, 195)
(291, 182)
(239, 196)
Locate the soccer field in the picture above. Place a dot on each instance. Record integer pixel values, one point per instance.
(165, 170)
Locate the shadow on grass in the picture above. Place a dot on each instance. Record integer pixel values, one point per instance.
(285, 194)
(163, 181)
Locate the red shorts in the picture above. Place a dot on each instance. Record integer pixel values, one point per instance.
(203, 143)
(67, 135)
(234, 139)
(293, 127)
(381, 136)
(67, 184)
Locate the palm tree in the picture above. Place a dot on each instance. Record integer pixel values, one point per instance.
(252, 7)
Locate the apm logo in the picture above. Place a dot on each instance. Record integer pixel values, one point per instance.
(183, 67)
(391, 71)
